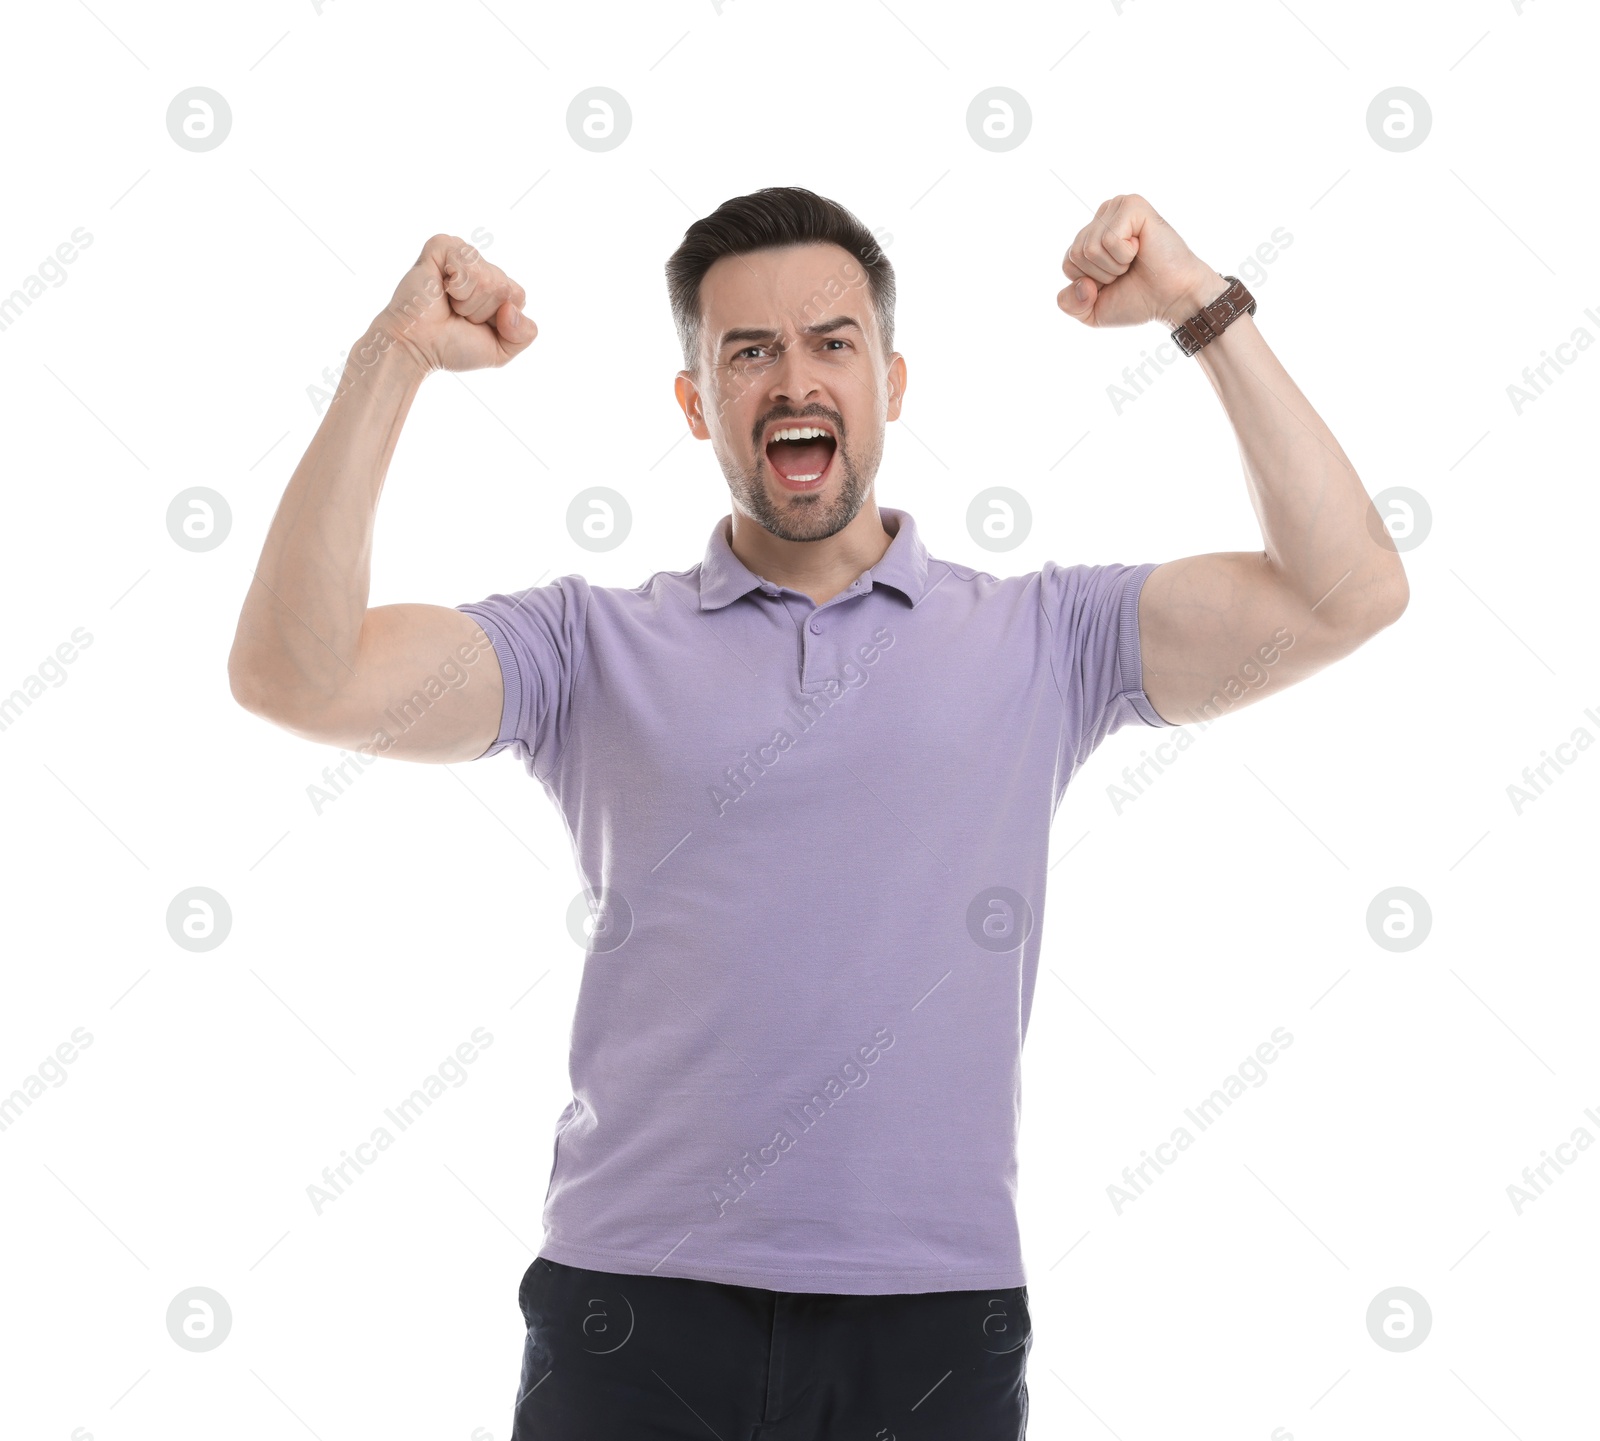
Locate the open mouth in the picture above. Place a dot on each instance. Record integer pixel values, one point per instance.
(800, 455)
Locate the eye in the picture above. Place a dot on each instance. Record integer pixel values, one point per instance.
(839, 342)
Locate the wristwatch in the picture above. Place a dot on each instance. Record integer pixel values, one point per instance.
(1206, 324)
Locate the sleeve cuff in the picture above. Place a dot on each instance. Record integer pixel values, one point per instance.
(1129, 660)
(510, 678)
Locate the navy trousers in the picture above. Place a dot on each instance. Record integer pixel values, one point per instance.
(613, 1357)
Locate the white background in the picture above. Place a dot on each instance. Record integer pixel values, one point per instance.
(369, 940)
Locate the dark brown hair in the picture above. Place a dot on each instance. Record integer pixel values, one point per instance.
(775, 216)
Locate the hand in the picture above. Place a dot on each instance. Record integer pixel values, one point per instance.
(453, 310)
(1134, 267)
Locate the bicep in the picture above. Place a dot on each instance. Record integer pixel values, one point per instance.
(425, 686)
(1220, 631)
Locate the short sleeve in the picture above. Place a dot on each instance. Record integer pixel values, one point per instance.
(538, 636)
(1092, 616)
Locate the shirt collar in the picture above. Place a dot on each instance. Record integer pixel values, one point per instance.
(904, 566)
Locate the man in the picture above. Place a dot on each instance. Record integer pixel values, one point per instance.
(809, 783)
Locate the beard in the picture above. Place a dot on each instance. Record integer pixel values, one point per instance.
(813, 516)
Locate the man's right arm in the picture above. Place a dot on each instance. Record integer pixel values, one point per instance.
(309, 654)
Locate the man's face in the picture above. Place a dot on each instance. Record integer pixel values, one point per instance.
(789, 341)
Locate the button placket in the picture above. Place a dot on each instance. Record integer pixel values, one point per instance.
(813, 627)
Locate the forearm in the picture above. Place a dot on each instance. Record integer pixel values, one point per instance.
(301, 621)
(1320, 530)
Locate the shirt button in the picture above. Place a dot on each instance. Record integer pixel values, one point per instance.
(816, 627)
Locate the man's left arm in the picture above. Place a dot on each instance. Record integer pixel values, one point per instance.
(1328, 577)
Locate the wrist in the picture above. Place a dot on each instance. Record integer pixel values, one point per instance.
(383, 358)
(1200, 290)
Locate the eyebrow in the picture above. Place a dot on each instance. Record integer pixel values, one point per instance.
(822, 327)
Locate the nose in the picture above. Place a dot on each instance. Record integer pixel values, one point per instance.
(793, 377)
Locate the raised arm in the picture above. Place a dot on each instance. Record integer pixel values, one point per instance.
(1218, 631)
(416, 682)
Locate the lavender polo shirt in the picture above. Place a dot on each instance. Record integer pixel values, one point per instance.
(814, 841)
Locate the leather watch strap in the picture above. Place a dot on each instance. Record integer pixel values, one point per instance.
(1206, 324)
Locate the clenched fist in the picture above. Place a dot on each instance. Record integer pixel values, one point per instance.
(454, 310)
(1127, 266)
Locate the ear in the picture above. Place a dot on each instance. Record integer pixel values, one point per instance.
(897, 385)
(688, 394)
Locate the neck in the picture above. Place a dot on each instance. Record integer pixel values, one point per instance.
(816, 568)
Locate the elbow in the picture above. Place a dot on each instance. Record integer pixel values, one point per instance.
(1374, 608)
(244, 672)
(1396, 596)
(1380, 598)
(1380, 610)
(241, 683)
(284, 705)
(252, 691)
